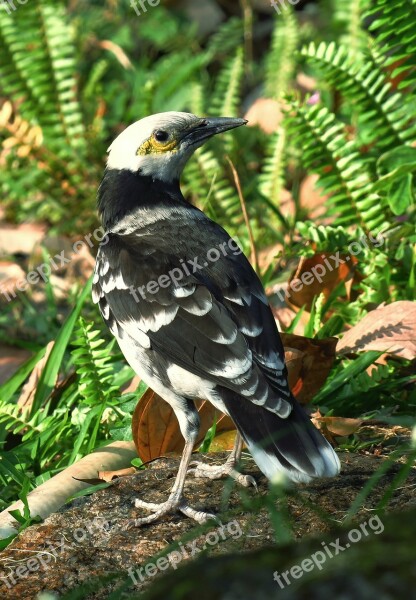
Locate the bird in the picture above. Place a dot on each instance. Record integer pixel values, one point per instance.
(191, 315)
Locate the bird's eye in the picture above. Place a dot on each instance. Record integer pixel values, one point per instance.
(161, 136)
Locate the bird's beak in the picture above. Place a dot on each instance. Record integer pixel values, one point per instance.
(208, 127)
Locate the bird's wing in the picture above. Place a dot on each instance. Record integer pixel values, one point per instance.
(214, 321)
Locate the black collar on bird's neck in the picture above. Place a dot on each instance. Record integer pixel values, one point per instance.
(121, 192)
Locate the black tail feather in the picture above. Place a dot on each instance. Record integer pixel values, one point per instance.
(292, 445)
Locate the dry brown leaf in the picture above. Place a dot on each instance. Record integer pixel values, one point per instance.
(319, 274)
(131, 386)
(314, 200)
(223, 442)
(390, 328)
(309, 362)
(155, 426)
(108, 476)
(306, 83)
(29, 389)
(341, 426)
(284, 316)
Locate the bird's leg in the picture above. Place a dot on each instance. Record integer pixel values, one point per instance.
(176, 500)
(228, 469)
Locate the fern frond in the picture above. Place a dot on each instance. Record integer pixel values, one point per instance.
(327, 237)
(20, 133)
(171, 79)
(37, 68)
(383, 112)
(393, 24)
(92, 361)
(228, 37)
(342, 172)
(272, 178)
(197, 101)
(14, 419)
(206, 181)
(364, 382)
(281, 60)
(225, 99)
(349, 14)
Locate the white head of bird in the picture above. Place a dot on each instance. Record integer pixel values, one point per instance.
(160, 145)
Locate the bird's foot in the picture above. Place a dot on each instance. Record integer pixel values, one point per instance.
(174, 503)
(220, 471)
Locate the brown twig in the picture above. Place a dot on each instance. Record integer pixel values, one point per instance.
(254, 257)
(248, 34)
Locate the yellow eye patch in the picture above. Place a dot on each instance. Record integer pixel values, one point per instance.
(153, 146)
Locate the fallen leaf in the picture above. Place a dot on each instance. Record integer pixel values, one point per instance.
(284, 316)
(155, 426)
(267, 256)
(309, 362)
(341, 426)
(223, 442)
(317, 275)
(132, 385)
(28, 392)
(335, 426)
(108, 476)
(390, 328)
(314, 200)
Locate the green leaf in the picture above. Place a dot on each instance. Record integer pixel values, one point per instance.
(345, 375)
(50, 372)
(89, 490)
(398, 161)
(400, 195)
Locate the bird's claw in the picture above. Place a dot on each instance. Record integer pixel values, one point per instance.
(197, 515)
(219, 472)
(173, 504)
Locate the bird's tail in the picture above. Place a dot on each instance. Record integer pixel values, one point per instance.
(292, 445)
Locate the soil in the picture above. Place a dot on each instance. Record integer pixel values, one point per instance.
(95, 537)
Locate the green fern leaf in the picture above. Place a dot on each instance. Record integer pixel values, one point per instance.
(342, 172)
(281, 59)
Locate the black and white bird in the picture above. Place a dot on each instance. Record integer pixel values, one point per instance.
(190, 314)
